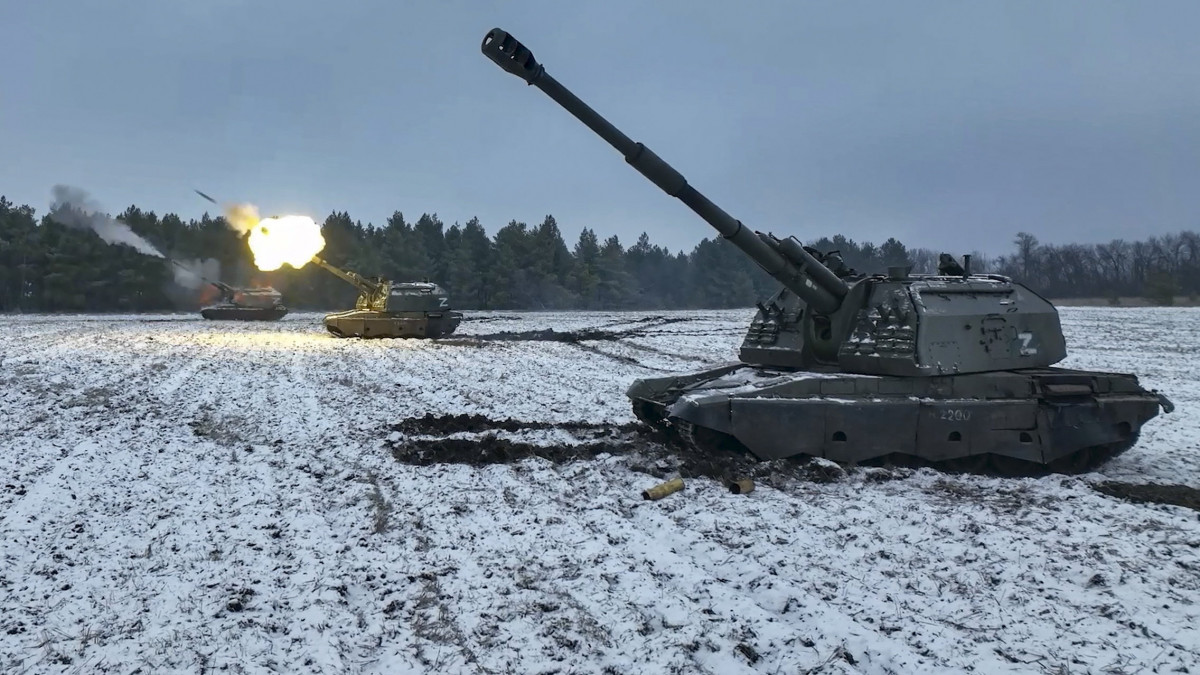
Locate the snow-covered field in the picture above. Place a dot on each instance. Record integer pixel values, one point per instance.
(185, 496)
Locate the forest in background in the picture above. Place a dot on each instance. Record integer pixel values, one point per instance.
(48, 266)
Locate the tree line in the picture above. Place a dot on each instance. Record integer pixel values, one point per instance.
(49, 266)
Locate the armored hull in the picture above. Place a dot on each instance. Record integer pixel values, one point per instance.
(954, 369)
(236, 313)
(369, 324)
(1010, 422)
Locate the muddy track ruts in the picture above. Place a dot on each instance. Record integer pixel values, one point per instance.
(452, 424)
(1152, 493)
(551, 335)
(645, 449)
(579, 335)
(663, 352)
(651, 451)
(572, 338)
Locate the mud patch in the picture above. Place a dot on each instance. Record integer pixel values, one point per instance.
(482, 342)
(489, 449)
(221, 430)
(424, 441)
(482, 319)
(638, 329)
(453, 424)
(1152, 493)
(551, 335)
(580, 338)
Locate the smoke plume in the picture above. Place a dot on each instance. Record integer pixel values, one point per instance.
(242, 217)
(197, 273)
(73, 207)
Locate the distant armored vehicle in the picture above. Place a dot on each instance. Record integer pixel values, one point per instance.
(952, 369)
(245, 304)
(385, 309)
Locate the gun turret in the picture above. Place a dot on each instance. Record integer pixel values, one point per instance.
(827, 315)
(372, 293)
(226, 290)
(785, 260)
(391, 310)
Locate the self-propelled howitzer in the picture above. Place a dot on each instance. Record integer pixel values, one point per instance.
(951, 368)
(240, 304)
(385, 309)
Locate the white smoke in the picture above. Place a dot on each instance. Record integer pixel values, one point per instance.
(194, 274)
(72, 207)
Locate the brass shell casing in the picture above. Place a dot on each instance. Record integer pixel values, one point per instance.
(741, 486)
(663, 489)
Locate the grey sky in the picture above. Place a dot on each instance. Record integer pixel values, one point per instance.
(946, 124)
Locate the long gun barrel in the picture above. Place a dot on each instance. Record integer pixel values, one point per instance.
(220, 286)
(226, 290)
(785, 260)
(361, 283)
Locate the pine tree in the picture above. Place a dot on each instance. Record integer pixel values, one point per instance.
(894, 253)
(615, 286)
(428, 231)
(470, 270)
(511, 280)
(550, 266)
(585, 280)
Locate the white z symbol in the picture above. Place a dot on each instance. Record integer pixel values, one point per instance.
(1026, 338)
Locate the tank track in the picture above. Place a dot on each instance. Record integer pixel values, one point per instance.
(707, 441)
(243, 313)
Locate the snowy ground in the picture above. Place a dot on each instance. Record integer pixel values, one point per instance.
(182, 496)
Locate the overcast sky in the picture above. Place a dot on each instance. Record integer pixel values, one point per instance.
(950, 125)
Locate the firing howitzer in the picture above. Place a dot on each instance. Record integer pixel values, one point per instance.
(241, 304)
(193, 273)
(953, 368)
(373, 294)
(227, 292)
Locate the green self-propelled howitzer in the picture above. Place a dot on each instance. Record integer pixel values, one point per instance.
(386, 309)
(953, 369)
(261, 303)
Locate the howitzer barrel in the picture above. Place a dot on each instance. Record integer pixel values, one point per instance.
(358, 281)
(220, 286)
(799, 271)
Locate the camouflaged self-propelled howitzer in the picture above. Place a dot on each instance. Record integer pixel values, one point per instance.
(386, 309)
(245, 304)
(952, 369)
(261, 303)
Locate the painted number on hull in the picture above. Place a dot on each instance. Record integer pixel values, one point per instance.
(956, 415)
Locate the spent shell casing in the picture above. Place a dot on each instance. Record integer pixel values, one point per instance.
(741, 486)
(663, 489)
